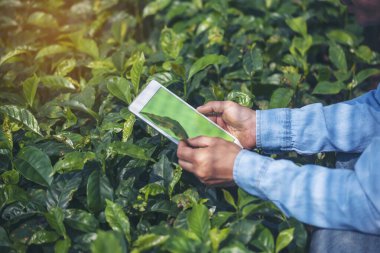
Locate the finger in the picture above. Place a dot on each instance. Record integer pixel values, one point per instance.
(202, 141)
(185, 152)
(186, 165)
(212, 107)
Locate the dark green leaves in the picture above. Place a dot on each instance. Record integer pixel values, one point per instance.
(108, 242)
(205, 61)
(253, 61)
(42, 19)
(98, 190)
(154, 7)
(298, 25)
(62, 190)
(21, 115)
(120, 88)
(81, 220)
(137, 69)
(171, 43)
(29, 87)
(338, 57)
(198, 221)
(34, 165)
(117, 219)
(57, 82)
(73, 161)
(281, 98)
(284, 238)
(327, 87)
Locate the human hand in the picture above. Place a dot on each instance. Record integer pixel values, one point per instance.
(238, 120)
(210, 159)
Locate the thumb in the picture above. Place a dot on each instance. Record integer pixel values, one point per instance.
(201, 141)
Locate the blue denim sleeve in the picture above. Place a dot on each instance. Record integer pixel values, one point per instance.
(328, 198)
(344, 127)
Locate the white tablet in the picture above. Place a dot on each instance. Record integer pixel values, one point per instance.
(173, 117)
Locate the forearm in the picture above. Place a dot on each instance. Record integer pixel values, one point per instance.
(328, 198)
(345, 127)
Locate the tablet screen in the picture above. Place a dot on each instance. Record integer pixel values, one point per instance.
(179, 120)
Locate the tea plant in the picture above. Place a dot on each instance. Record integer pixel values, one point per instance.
(78, 171)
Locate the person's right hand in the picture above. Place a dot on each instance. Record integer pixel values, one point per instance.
(234, 118)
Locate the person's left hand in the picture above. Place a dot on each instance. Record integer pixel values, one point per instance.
(210, 159)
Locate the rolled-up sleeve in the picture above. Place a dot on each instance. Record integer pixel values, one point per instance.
(345, 127)
(328, 198)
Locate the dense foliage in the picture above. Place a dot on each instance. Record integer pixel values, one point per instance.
(79, 173)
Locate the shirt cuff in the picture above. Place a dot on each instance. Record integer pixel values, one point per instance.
(249, 169)
(273, 130)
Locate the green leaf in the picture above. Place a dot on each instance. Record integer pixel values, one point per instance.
(281, 98)
(43, 20)
(301, 45)
(42, 237)
(244, 198)
(177, 173)
(10, 177)
(98, 190)
(155, 6)
(129, 149)
(298, 25)
(264, 241)
(253, 61)
(73, 161)
(117, 219)
(87, 46)
(218, 236)
(50, 50)
(198, 221)
(34, 165)
(328, 88)
(243, 230)
(62, 246)
(241, 98)
(171, 43)
(148, 241)
(76, 105)
(57, 82)
(4, 240)
(81, 220)
(205, 61)
(230, 200)
(55, 218)
(29, 87)
(65, 67)
(284, 238)
(338, 57)
(128, 127)
(6, 141)
(61, 191)
(365, 53)
(342, 37)
(120, 88)
(364, 74)
(136, 72)
(14, 52)
(23, 116)
(108, 241)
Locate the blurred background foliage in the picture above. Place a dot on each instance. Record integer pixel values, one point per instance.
(78, 172)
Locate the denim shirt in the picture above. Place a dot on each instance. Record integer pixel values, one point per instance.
(328, 198)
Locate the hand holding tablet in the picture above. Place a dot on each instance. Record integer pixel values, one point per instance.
(173, 117)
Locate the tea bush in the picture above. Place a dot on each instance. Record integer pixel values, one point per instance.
(79, 173)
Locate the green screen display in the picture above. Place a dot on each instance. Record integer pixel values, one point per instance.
(177, 119)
